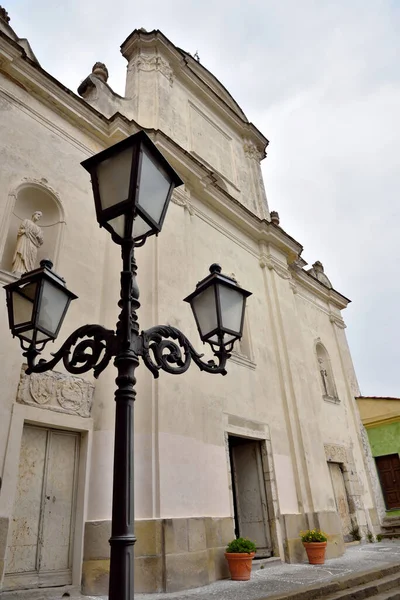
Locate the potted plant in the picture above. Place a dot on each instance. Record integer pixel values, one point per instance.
(314, 541)
(239, 554)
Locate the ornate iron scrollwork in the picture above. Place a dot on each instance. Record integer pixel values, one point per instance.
(175, 356)
(94, 352)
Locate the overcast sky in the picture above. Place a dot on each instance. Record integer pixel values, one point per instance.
(322, 81)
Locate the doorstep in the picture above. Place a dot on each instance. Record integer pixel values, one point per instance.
(263, 563)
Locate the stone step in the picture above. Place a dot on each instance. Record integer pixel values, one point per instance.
(392, 595)
(391, 522)
(264, 563)
(357, 586)
(369, 589)
(389, 535)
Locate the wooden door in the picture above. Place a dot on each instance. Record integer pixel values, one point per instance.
(250, 495)
(389, 475)
(39, 551)
(340, 494)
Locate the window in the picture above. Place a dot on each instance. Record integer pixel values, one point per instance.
(329, 392)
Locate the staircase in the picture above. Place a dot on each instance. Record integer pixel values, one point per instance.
(379, 584)
(391, 527)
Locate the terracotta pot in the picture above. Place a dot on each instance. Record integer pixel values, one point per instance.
(239, 565)
(315, 552)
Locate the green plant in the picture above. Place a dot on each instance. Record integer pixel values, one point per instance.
(379, 537)
(242, 546)
(355, 533)
(313, 535)
(370, 537)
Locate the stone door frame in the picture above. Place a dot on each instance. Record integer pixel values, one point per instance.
(24, 414)
(259, 433)
(342, 456)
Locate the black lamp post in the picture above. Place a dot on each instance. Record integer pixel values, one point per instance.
(132, 185)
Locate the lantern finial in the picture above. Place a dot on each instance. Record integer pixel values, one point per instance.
(215, 268)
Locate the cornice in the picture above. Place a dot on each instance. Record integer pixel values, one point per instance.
(379, 421)
(309, 283)
(27, 74)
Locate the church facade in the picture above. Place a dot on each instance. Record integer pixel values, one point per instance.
(273, 448)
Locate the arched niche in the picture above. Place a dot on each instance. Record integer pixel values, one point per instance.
(326, 374)
(28, 198)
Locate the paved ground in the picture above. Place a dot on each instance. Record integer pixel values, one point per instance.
(275, 578)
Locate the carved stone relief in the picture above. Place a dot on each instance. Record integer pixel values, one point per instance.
(56, 391)
(251, 151)
(335, 453)
(152, 63)
(181, 197)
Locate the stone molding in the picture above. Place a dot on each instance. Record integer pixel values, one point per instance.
(241, 359)
(181, 197)
(335, 453)
(275, 265)
(57, 392)
(149, 63)
(338, 321)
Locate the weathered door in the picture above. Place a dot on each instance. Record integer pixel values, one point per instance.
(389, 475)
(39, 551)
(251, 513)
(342, 505)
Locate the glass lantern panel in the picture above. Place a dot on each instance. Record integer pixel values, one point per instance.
(118, 225)
(23, 300)
(205, 310)
(40, 336)
(231, 302)
(52, 307)
(153, 188)
(140, 227)
(114, 176)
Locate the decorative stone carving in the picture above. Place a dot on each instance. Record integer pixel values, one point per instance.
(251, 150)
(338, 321)
(181, 197)
(55, 391)
(335, 453)
(29, 239)
(317, 271)
(100, 70)
(4, 15)
(274, 217)
(153, 63)
(275, 265)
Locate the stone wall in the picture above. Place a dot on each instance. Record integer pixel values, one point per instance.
(170, 554)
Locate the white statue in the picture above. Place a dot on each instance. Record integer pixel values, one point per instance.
(29, 239)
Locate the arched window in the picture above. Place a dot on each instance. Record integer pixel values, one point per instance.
(28, 199)
(325, 373)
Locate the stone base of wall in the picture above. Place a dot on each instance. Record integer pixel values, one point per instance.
(328, 521)
(4, 524)
(170, 554)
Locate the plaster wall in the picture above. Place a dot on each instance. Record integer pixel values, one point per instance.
(384, 439)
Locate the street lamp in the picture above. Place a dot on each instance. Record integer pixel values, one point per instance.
(132, 185)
